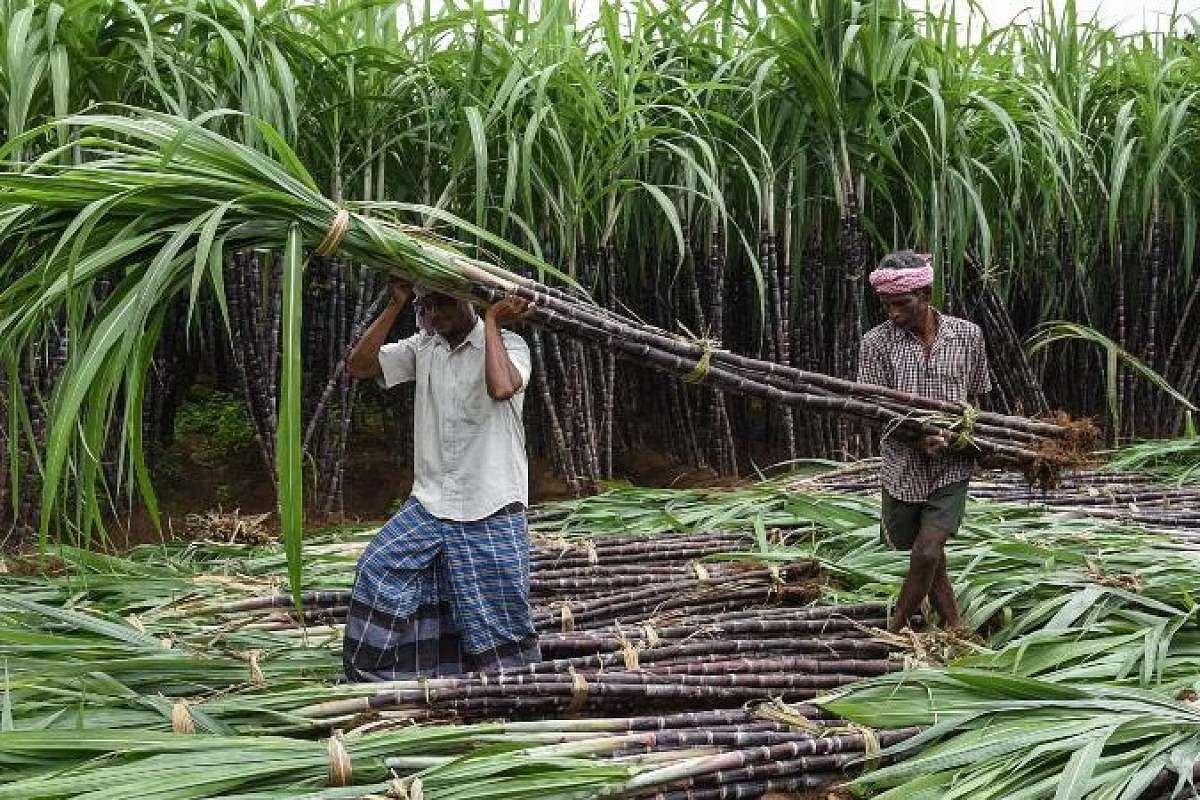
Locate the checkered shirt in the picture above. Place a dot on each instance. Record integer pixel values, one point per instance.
(956, 369)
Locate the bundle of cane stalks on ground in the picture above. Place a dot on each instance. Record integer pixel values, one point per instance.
(681, 629)
(718, 754)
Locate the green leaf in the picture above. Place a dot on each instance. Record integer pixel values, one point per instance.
(1073, 783)
(290, 432)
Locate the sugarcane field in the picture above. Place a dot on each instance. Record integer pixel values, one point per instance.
(599, 399)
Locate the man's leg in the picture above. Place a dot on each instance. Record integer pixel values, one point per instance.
(489, 564)
(396, 623)
(927, 556)
(944, 510)
(941, 595)
(899, 523)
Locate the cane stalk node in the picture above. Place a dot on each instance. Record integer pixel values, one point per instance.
(566, 618)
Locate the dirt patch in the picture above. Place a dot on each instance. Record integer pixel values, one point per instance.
(31, 564)
(651, 468)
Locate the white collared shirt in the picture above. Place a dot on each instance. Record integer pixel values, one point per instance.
(468, 449)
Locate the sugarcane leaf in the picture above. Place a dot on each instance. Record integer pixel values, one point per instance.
(82, 621)
(291, 427)
(132, 421)
(284, 153)
(930, 786)
(109, 331)
(479, 147)
(1077, 774)
(6, 711)
(1054, 331)
(205, 256)
(760, 533)
(672, 216)
(1069, 614)
(1013, 686)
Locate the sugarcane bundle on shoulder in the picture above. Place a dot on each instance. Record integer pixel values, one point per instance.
(1041, 448)
(162, 191)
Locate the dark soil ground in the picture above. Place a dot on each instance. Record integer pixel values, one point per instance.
(376, 484)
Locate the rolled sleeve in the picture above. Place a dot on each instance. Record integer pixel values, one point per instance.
(518, 354)
(398, 362)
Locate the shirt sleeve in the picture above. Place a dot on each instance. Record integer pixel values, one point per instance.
(398, 361)
(980, 380)
(872, 366)
(518, 354)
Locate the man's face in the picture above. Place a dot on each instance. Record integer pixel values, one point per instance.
(904, 310)
(446, 315)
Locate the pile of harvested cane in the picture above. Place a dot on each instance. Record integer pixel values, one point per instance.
(724, 652)
(625, 628)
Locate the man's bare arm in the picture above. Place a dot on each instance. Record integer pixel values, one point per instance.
(363, 361)
(502, 376)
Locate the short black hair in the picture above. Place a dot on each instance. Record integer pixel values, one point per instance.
(904, 259)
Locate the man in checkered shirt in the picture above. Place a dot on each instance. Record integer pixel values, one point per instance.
(923, 352)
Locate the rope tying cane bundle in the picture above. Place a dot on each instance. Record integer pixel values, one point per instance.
(341, 770)
(336, 233)
(579, 691)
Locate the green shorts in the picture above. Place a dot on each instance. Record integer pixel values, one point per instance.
(901, 521)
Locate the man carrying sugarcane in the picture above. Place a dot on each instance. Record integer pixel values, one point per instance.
(444, 586)
(922, 352)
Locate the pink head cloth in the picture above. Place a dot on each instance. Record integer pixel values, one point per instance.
(900, 281)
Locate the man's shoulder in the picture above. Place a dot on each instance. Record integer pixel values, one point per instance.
(420, 341)
(960, 325)
(880, 333)
(413, 341)
(512, 339)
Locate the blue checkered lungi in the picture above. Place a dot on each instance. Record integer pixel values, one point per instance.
(436, 597)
